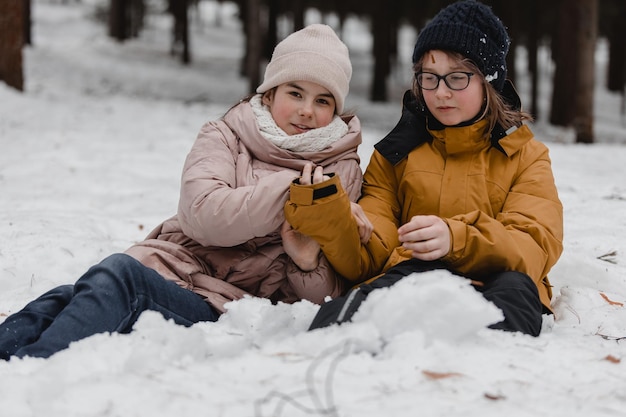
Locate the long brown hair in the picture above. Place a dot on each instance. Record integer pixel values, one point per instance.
(496, 109)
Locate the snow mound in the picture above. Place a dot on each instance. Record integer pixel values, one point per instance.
(437, 304)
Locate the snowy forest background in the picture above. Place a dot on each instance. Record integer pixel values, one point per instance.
(569, 29)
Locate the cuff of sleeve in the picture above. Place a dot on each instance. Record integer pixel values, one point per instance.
(458, 236)
(305, 194)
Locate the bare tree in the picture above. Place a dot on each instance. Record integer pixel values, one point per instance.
(11, 42)
(298, 8)
(117, 20)
(585, 41)
(532, 43)
(125, 18)
(573, 49)
(382, 28)
(253, 43)
(616, 77)
(28, 39)
(565, 57)
(179, 9)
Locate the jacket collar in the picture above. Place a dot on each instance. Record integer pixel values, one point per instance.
(417, 126)
(461, 139)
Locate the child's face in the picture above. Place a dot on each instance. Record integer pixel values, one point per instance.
(451, 107)
(300, 106)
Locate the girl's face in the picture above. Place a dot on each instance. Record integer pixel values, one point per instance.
(451, 107)
(300, 106)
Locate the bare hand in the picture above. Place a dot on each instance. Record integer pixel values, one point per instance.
(302, 249)
(363, 223)
(428, 237)
(312, 175)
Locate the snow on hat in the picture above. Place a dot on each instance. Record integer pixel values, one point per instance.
(313, 54)
(473, 30)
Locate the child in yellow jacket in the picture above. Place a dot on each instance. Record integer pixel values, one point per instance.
(460, 183)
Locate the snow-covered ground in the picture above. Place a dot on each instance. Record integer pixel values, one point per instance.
(90, 162)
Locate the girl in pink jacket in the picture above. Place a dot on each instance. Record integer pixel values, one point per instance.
(229, 237)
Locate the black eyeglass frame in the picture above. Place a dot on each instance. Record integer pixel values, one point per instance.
(444, 78)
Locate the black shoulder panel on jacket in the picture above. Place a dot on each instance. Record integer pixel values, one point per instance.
(409, 133)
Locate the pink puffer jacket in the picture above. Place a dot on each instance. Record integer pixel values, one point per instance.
(225, 240)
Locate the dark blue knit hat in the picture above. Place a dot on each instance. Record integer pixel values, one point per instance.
(473, 30)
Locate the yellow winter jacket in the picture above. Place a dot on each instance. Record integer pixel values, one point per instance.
(496, 193)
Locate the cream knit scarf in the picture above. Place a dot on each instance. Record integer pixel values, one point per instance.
(312, 141)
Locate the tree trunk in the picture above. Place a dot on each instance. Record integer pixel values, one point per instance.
(586, 36)
(566, 69)
(137, 13)
(271, 31)
(253, 44)
(533, 65)
(11, 42)
(186, 40)
(117, 20)
(616, 79)
(179, 9)
(381, 28)
(28, 39)
(298, 9)
(184, 30)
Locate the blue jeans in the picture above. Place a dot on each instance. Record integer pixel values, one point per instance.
(109, 297)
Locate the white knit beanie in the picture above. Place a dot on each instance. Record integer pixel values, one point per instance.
(313, 54)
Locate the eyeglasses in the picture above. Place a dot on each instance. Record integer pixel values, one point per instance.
(454, 80)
